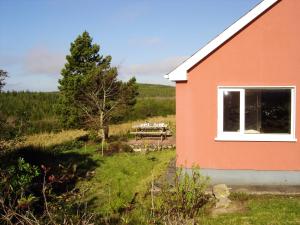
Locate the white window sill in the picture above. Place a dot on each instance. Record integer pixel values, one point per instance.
(257, 137)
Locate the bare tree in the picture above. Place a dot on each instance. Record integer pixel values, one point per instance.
(102, 96)
(3, 76)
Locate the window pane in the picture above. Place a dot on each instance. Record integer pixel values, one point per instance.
(253, 111)
(267, 111)
(231, 113)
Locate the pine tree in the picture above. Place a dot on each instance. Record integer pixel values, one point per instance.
(90, 93)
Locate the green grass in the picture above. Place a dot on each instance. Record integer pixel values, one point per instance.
(262, 210)
(119, 177)
(156, 90)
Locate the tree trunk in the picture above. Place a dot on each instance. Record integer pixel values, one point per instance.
(102, 125)
(102, 141)
(106, 131)
(104, 136)
(102, 129)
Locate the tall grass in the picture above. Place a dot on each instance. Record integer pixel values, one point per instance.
(51, 139)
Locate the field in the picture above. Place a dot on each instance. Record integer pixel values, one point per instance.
(155, 91)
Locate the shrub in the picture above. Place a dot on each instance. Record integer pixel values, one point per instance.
(182, 202)
(70, 145)
(118, 146)
(93, 136)
(30, 197)
(15, 186)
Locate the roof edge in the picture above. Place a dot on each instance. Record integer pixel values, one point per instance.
(180, 72)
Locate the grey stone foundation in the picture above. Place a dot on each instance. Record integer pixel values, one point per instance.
(252, 177)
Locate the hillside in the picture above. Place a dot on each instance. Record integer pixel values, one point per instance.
(37, 113)
(156, 90)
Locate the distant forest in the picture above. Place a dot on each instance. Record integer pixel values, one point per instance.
(36, 111)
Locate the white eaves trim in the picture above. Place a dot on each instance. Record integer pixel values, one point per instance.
(180, 73)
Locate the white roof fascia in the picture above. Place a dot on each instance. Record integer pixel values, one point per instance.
(180, 73)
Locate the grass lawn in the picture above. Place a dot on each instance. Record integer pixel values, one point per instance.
(261, 210)
(119, 177)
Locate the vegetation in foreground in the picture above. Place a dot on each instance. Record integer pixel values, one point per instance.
(50, 184)
(123, 188)
(123, 178)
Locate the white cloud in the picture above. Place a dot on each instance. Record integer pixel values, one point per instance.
(160, 67)
(41, 60)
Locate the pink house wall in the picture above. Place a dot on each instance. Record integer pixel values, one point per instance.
(266, 53)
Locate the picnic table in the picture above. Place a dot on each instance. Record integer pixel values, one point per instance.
(151, 130)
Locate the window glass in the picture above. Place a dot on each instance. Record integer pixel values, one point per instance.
(231, 113)
(253, 111)
(267, 111)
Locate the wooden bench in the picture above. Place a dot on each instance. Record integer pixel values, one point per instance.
(151, 130)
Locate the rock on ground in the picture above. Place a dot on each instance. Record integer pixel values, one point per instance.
(221, 193)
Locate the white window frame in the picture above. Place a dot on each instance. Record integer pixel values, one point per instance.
(240, 135)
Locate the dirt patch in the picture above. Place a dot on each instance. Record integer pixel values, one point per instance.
(267, 189)
(234, 207)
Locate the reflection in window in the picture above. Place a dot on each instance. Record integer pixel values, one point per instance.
(267, 111)
(231, 113)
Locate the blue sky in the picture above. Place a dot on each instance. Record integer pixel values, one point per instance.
(146, 38)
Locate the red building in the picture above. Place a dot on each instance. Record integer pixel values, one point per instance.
(237, 111)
